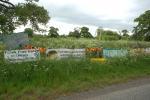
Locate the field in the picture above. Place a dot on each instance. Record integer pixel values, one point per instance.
(47, 79)
(84, 42)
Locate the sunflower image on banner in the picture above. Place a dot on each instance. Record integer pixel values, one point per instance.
(94, 52)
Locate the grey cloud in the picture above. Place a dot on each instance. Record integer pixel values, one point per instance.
(141, 7)
(71, 14)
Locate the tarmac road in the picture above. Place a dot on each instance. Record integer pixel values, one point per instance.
(133, 90)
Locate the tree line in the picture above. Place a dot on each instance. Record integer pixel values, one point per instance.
(14, 15)
(83, 32)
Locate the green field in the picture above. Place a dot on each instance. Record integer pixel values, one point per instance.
(47, 79)
(68, 42)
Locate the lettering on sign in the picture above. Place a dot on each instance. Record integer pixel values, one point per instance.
(22, 55)
(147, 50)
(65, 53)
(114, 53)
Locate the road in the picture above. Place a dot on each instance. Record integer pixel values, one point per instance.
(133, 90)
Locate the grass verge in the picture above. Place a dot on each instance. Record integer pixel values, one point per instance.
(47, 79)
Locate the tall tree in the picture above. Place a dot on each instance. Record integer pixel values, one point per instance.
(21, 14)
(75, 33)
(85, 32)
(6, 16)
(53, 32)
(31, 12)
(125, 31)
(109, 35)
(142, 30)
(7, 24)
(125, 35)
(6, 4)
(29, 31)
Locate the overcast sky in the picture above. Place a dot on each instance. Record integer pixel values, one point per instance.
(111, 14)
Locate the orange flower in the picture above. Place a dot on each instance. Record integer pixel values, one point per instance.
(42, 50)
(93, 49)
(28, 47)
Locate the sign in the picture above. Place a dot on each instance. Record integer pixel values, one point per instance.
(94, 52)
(107, 53)
(147, 50)
(139, 51)
(22, 55)
(15, 40)
(65, 53)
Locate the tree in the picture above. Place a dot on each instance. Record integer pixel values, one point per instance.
(6, 4)
(125, 35)
(85, 32)
(124, 32)
(53, 32)
(6, 17)
(75, 33)
(31, 12)
(109, 35)
(21, 14)
(142, 30)
(29, 31)
(6, 21)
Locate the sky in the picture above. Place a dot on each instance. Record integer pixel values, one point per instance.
(108, 14)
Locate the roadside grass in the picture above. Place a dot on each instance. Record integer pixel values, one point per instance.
(47, 79)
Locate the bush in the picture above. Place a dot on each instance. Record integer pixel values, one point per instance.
(29, 31)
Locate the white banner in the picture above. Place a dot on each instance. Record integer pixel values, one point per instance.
(22, 55)
(147, 50)
(65, 53)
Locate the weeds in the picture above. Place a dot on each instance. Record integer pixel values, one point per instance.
(63, 76)
(84, 43)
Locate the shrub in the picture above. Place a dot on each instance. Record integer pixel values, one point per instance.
(29, 31)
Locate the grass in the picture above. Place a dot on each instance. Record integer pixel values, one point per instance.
(46, 79)
(83, 43)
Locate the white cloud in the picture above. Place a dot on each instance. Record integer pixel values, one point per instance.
(112, 14)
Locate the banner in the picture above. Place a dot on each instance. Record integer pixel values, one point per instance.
(65, 53)
(94, 52)
(147, 50)
(107, 53)
(22, 55)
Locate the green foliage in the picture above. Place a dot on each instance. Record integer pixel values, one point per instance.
(68, 42)
(108, 35)
(31, 12)
(85, 32)
(125, 32)
(75, 34)
(142, 30)
(2, 48)
(6, 4)
(6, 20)
(125, 35)
(21, 14)
(53, 32)
(29, 31)
(46, 79)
